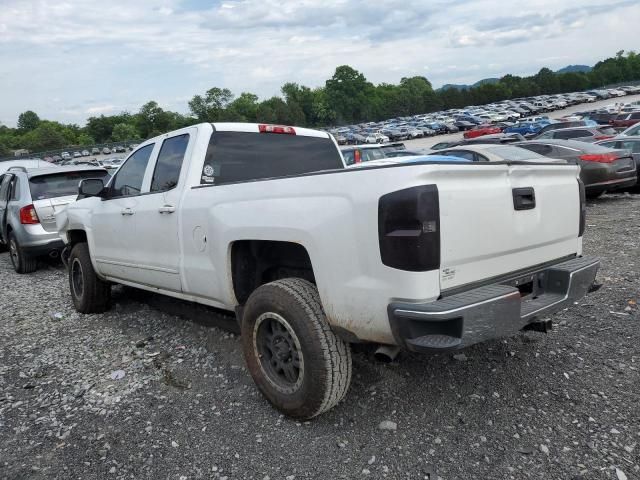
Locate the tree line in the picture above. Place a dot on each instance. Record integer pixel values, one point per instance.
(347, 97)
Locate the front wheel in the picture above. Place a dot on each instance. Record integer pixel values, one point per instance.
(89, 293)
(300, 366)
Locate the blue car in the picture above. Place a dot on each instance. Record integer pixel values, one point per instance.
(524, 128)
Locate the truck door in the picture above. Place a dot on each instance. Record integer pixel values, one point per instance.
(113, 219)
(156, 250)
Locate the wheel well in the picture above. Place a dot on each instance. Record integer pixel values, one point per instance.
(76, 236)
(256, 262)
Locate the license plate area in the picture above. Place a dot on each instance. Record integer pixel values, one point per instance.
(530, 286)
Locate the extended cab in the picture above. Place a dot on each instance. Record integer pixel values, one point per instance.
(266, 221)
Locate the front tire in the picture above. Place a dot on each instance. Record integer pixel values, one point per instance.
(89, 293)
(299, 365)
(22, 262)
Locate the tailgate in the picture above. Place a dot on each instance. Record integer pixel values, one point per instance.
(47, 209)
(491, 225)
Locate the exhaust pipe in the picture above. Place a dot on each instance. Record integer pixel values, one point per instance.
(386, 353)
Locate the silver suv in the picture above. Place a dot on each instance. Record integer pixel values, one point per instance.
(29, 200)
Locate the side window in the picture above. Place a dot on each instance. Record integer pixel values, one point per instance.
(610, 144)
(14, 188)
(481, 158)
(348, 157)
(573, 134)
(128, 180)
(461, 154)
(537, 148)
(4, 187)
(169, 164)
(635, 116)
(562, 152)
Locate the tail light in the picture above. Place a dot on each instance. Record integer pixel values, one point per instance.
(583, 208)
(356, 156)
(603, 137)
(409, 229)
(28, 215)
(276, 129)
(599, 157)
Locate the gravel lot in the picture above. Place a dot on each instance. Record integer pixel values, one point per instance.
(156, 389)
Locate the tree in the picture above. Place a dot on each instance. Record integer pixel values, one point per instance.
(28, 121)
(85, 140)
(47, 136)
(349, 94)
(152, 120)
(244, 107)
(124, 131)
(210, 107)
(4, 150)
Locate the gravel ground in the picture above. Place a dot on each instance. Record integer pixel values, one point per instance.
(157, 389)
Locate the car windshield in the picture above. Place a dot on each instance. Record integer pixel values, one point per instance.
(514, 153)
(61, 184)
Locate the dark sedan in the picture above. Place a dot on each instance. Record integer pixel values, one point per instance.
(602, 170)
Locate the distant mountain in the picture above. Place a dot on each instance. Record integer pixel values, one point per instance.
(567, 69)
(574, 68)
(465, 87)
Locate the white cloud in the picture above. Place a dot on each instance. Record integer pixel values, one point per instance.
(120, 53)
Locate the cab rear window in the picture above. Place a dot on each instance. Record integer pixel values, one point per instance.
(244, 156)
(61, 184)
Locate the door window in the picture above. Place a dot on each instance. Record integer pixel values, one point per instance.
(4, 187)
(565, 135)
(128, 180)
(461, 154)
(169, 164)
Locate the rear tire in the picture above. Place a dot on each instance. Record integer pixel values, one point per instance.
(299, 365)
(89, 293)
(22, 262)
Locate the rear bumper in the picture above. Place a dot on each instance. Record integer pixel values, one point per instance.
(491, 311)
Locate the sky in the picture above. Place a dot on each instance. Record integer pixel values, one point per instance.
(69, 60)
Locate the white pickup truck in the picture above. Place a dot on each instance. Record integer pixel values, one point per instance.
(266, 221)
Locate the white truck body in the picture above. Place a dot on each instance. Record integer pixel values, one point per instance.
(179, 242)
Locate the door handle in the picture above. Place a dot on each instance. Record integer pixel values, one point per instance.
(126, 211)
(167, 209)
(524, 198)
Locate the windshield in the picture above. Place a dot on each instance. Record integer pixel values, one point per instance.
(61, 184)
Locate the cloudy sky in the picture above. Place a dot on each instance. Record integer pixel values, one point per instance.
(72, 59)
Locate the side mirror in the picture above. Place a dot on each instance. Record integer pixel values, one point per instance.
(90, 187)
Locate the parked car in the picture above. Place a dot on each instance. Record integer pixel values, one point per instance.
(481, 130)
(441, 145)
(65, 156)
(489, 152)
(120, 149)
(374, 259)
(133, 146)
(631, 144)
(29, 199)
(584, 134)
(376, 138)
(361, 153)
(95, 151)
(85, 153)
(106, 151)
(77, 154)
(625, 120)
(602, 168)
(525, 129)
(630, 132)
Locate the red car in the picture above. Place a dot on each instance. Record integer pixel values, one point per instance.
(625, 120)
(482, 130)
